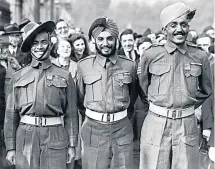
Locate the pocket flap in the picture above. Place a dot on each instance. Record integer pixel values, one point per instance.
(89, 79)
(159, 69)
(127, 78)
(125, 139)
(123, 77)
(24, 81)
(59, 144)
(191, 139)
(56, 81)
(195, 70)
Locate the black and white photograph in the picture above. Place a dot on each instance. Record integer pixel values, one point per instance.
(107, 84)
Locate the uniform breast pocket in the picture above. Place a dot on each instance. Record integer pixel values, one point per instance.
(93, 87)
(191, 72)
(121, 82)
(160, 79)
(24, 88)
(55, 90)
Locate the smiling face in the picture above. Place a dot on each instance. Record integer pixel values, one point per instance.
(79, 47)
(177, 30)
(62, 29)
(64, 49)
(106, 44)
(40, 45)
(127, 42)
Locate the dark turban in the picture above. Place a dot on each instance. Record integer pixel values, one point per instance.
(103, 24)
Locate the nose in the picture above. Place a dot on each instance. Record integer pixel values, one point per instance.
(39, 46)
(105, 42)
(178, 28)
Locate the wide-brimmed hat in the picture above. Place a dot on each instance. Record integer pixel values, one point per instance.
(32, 29)
(23, 23)
(11, 29)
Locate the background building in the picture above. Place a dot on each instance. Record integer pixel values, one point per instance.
(4, 12)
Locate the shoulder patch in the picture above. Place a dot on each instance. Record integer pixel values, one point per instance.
(88, 57)
(24, 69)
(139, 70)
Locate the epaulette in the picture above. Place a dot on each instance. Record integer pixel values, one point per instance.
(124, 57)
(88, 57)
(156, 45)
(22, 67)
(193, 45)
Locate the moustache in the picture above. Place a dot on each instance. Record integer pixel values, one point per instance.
(179, 33)
(106, 46)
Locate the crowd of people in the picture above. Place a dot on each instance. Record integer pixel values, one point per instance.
(69, 99)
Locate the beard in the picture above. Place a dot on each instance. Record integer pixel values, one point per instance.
(113, 51)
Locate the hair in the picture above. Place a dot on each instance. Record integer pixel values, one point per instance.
(72, 38)
(203, 35)
(127, 32)
(207, 29)
(142, 40)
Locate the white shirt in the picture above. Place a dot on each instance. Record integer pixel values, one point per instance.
(133, 55)
(12, 49)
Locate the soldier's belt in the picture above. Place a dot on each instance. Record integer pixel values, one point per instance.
(41, 121)
(171, 113)
(106, 117)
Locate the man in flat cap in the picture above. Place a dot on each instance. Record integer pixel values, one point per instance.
(36, 134)
(107, 90)
(176, 79)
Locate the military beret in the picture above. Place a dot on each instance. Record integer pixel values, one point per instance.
(175, 11)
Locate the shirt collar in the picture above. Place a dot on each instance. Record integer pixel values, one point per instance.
(45, 63)
(12, 49)
(170, 47)
(102, 60)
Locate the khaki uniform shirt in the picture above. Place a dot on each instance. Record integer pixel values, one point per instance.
(41, 90)
(175, 77)
(107, 86)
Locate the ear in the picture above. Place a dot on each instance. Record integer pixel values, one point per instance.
(164, 30)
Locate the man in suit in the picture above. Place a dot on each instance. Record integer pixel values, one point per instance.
(15, 39)
(15, 59)
(127, 40)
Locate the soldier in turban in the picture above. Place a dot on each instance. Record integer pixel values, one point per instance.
(106, 86)
(176, 79)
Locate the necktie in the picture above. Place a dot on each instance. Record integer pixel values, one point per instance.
(130, 56)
